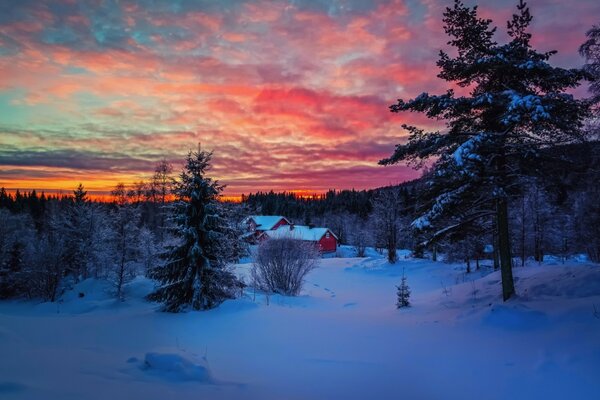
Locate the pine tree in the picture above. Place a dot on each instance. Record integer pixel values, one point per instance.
(76, 225)
(80, 195)
(403, 293)
(195, 274)
(516, 106)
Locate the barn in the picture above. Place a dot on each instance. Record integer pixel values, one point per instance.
(323, 237)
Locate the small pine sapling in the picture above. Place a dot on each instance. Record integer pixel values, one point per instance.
(403, 293)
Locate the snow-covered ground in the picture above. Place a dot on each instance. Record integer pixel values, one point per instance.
(342, 339)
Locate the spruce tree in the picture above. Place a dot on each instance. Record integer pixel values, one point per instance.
(76, 226)
(80, 195)
(403, 293)
(517, 106)
(196, 271)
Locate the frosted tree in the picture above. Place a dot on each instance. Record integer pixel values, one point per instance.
(160, 188)
(79, 224)
(125, 247)
(148, 250)
(45, 276)
(387, 208)
(516, 105)
(403, 293)
(358, 237)
(196, 272)
(16, 234)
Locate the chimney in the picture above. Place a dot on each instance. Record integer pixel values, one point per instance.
(310, 226)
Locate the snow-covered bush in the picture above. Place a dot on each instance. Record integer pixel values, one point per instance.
(359, 241)
(281, 265)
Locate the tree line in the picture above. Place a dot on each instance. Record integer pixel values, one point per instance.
(50, 243)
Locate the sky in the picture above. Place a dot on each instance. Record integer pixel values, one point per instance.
(289, 94)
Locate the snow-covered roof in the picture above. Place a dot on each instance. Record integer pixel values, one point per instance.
(265, 222)
(300, 232)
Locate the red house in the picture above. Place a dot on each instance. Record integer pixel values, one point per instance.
(322, 237)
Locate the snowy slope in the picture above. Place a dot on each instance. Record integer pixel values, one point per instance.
(343, 338)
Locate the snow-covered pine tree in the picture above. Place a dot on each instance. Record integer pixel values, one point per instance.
(516, 106)
(79, 224)
(196, 272)
(403, 293)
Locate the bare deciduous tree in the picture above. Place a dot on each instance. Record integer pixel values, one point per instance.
(282, 264)
(387, 210)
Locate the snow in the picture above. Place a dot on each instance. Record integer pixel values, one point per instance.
(529, 103)
(530, 64)
(175, 366)
(341, 338)
(467, 151)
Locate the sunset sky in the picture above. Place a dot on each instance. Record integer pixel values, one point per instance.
(288, 94)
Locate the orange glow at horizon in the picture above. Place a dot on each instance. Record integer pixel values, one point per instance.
(108, 197)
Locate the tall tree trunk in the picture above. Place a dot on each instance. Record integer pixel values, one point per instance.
(508, 287)
(495, 249)
(538, 254)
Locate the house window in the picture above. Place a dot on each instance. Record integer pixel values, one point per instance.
(327, 235)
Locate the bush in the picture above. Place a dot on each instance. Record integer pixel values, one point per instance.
(282, 264)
